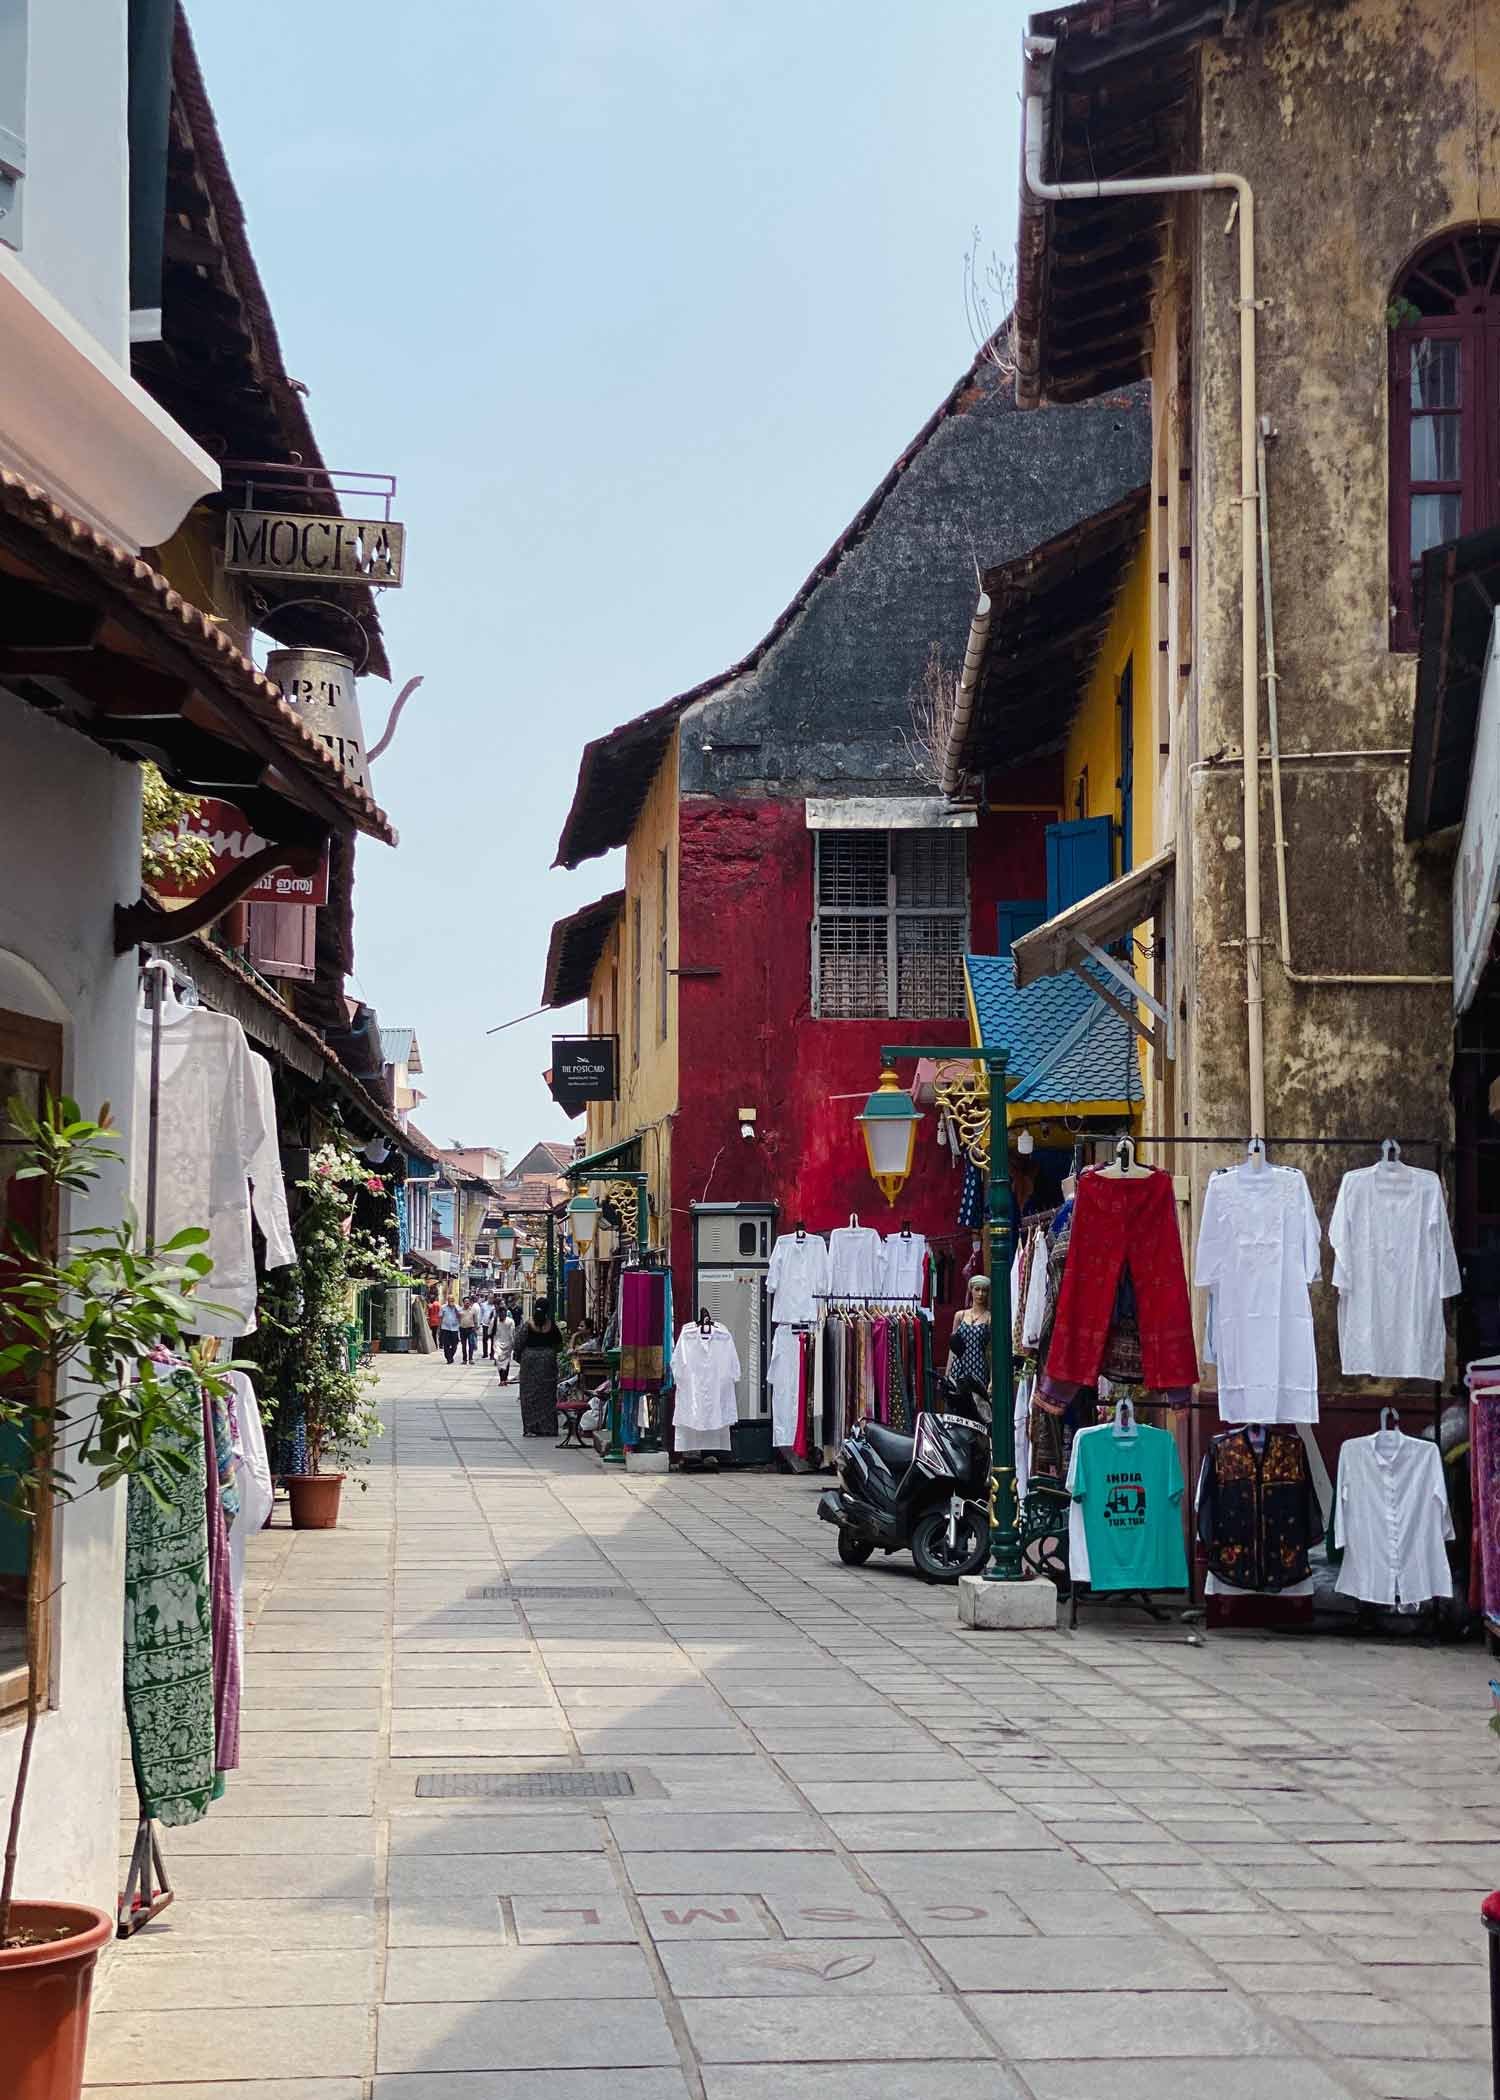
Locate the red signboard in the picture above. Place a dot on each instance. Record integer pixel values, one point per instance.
(233, 839)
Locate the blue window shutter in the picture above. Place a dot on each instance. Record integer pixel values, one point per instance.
(1080, 860)
(1016, 918)
(13, 42)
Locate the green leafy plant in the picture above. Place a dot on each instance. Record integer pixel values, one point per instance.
(1401, 312)
(167, 851)
(86, 1341)
(302, 1345)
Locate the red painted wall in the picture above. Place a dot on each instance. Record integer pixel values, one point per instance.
(747, 1037)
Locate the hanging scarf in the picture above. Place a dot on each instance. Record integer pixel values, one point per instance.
(169, 1653)
(642, 1330)
(971, 1200)
(226, 1645)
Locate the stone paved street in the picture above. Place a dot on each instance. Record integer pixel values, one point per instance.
(857, 1841)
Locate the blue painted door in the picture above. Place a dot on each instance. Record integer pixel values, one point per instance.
(1080, 860)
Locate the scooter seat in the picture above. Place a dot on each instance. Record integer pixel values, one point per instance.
(890, 1445)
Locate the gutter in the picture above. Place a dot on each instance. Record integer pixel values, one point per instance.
(952, 767)
(1038, 89)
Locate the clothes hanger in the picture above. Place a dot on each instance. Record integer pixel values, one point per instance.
(906, 1228)
(801, 1231)
(854, 1221)
(705, 1320)
(1390, 1152)
(1390, 1419)
(1125, 1166)
(1255, 1153)
(169, 997)
(1125, 1420)
(1070, 1179)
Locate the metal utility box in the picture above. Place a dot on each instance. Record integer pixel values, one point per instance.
(732, 1245)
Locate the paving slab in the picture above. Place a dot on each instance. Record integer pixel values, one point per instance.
(926, 2030)
(416, 1975)
(616, 2035)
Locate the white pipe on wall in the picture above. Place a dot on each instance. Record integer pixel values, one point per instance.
(963, 703)
(1033, 122)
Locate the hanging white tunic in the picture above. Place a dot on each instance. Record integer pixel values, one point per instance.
(855, 1259)
(1259, 1247)
(706, 1372)
(901, 1265)
(797, 1275)
(1391, 1517)
(256, 1493)
(212, 1137)
(1394, 1264)
(786, 1363)
(268, 1186)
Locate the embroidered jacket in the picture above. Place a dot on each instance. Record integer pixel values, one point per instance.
(1257, 1512)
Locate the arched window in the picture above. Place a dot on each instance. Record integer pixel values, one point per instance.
(1445, 407)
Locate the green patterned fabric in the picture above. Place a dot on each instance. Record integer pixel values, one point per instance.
(169, 1665)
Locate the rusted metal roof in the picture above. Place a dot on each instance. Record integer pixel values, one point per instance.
(616, 771)
(1050, 610)
(575, 948)
(71, 557)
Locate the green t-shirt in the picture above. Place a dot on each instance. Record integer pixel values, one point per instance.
(1130, 1492)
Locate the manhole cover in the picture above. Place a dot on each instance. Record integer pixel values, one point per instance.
(525, 1786)
(541, 1589)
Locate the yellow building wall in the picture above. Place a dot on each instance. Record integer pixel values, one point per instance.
(1091, 759)
(648, 1061)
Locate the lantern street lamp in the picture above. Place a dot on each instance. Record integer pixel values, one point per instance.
(528, 1259)
(583, 1221)
(889, 1121)
(505, 1245)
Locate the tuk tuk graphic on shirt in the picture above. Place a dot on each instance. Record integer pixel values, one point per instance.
(1129, 1489)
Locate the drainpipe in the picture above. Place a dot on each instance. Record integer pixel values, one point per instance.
(963, 704)
(1039, 52)
(1273, 720)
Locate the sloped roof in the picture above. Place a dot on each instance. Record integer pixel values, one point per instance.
(74, 557)
(1066, 1046)
(575, 947)
(398, 1046)
(543, 1158)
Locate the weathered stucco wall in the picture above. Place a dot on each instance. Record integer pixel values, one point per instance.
(1371, 111)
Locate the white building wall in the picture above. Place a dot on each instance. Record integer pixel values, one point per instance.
(76, 214)
(71, 851)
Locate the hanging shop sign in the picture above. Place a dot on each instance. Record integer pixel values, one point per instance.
(232, 838)
(319, 683)
(584, 1069)
(1476, 873)
(302, 549)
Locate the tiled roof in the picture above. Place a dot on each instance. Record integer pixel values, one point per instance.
(234, 678)
(1063, 1040)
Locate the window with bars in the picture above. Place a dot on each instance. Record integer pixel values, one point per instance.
(890, 924)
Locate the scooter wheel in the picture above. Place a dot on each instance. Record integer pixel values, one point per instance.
(853, 1552)
(936, 1559)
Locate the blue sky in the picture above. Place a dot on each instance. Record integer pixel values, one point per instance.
(638, 299)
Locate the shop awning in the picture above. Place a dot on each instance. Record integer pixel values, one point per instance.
(1078, 939)
(1069, 1050)
(594, 1165)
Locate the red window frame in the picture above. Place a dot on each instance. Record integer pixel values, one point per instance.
(1448, 292)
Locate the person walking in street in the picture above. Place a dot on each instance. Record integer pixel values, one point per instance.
(434, 1315)
(468, 1328)
(486, 1326)
(505, 1342)
(536, 1348)
(448, 1330)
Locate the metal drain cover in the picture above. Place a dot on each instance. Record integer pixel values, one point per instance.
(525, 1786)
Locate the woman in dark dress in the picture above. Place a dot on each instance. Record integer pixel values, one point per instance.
(537, 1344)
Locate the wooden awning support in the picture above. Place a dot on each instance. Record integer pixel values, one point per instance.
(145, 921)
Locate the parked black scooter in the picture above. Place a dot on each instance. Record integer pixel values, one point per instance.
(927, 1494)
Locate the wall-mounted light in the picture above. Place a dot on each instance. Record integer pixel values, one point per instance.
(889, 1121)
(1025, 1143)
(747, 1122)
(583, 1222)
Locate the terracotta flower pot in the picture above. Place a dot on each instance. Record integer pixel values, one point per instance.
(315, 1499)
(44, 1998)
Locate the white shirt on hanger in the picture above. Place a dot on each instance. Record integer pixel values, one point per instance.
(267, 1183)
(901, 1260)
(1034, 1312)
(210, 1129)
(797, 1275)
(706, 1371)
(1259, 1247)
(855, 1260)
(1391, 1516)
(1394, 1264)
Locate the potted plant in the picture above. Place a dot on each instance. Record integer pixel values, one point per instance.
(323, 1397)
(87, 1393)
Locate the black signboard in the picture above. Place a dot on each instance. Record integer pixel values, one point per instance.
(583, 1070)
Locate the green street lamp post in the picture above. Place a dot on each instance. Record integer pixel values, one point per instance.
(583, 1216)
(881, 1114)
